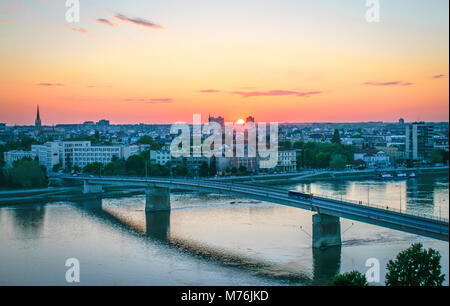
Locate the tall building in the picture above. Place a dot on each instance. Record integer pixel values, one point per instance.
(219, 120)
(103, 125)
(37, 124)
(419, 141)
(250, 119)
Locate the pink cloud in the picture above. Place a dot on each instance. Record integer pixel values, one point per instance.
(276, 93)
(151, 101)
(391, 83)
(107, 22)
(80, 30)
(439, 76)
(50, 84)
(139, 21)
(209, 91)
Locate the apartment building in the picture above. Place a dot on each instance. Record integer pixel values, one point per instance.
(13, 156)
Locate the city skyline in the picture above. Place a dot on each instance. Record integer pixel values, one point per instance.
(289, 61)
(241, 121)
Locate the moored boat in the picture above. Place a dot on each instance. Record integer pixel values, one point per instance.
(384, 176)
(401, 176)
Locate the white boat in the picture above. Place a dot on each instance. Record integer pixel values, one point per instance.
(384, 176)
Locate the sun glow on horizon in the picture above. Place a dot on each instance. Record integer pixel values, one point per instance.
(278, 61)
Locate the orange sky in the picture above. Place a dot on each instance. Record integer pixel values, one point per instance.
(284, 61)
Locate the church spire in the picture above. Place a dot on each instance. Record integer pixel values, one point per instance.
(37, 124)
(38, 117)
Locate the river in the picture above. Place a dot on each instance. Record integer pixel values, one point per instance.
(208, 239)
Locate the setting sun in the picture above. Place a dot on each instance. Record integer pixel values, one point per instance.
(240, 122)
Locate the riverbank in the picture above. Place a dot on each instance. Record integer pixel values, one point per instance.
(60, 194)
(350, 175)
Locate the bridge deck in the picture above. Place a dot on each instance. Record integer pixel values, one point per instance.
(428, 226)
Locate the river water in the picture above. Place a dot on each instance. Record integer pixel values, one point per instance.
(208, 239)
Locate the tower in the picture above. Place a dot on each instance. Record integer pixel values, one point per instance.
(419, 141)
(37, 124)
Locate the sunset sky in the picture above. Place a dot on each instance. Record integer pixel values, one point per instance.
(161, 61)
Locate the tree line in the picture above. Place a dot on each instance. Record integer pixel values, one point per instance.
(319, 155)
(25, 173)
(412, 267)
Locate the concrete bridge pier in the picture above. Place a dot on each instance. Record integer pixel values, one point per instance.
(326, 263)
(158, 225)
(326, 231)
(157, 199)
(92, 204)
(91, 188)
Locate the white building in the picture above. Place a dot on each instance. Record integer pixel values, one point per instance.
(373, 158)
(160, 157)
(12, 156)
(48, 154)
(82, 156)
(81, 153)
(287, 161)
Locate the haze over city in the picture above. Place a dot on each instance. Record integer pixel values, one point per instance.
(285, 61)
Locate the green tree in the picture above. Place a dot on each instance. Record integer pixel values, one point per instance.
(322, 160)
(56, 168)
(204, 169)
(68, 164)
(135, 165)
(337, 162)
(27, 173)
(286, 144)
(319, 155)
(353, 278)
(243, 170)
(409, 163)
(437, 156)
(92, 139)
(158, 170)
(298, 145)
(3, 181)
(415, 266)
(212, 166)
(336, 137)
(150, 141)
(93, 168)
(180, 170)
(114, 168)
(25, 143)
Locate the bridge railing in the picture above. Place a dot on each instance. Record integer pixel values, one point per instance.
(340, 199)
(361, 203)
(389, 208)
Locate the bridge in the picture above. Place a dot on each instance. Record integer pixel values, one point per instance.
(326, 220)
